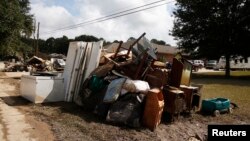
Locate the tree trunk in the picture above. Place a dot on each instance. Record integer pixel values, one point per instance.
(227, 74)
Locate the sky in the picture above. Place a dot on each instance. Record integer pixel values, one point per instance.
(54, 14)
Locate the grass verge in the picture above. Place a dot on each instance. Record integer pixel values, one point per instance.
(237, 89)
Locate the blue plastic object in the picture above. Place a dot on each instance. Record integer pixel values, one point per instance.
(210, 105)
(96, 83)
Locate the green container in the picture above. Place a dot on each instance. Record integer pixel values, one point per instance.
(211, 105)
(96, 83)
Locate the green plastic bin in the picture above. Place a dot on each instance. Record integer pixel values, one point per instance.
(216, 105)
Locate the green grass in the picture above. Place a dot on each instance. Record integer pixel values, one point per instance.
(236, 89)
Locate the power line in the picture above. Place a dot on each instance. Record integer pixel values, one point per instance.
(116, 11)
(97, 19)
(112, 16)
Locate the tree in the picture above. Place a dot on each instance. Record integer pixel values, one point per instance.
(106, 43)
(212, 28)
(26, 47)
(15, 22)
(159, 42)
(62, 45)
(131, 38)
(49, 46)
(116, 41)
(86, 38)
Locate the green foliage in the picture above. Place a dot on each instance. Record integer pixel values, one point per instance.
(26, 47)
(116, 41)
(49, 46)
(86, 38)
(15, 21)
(58, 45)
(159, 42)
(131, 38)
(213, 27)
(62, 45)
(106, 43)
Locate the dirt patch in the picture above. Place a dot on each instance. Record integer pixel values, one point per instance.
(71, 122)
(68, 121)
(65, 117)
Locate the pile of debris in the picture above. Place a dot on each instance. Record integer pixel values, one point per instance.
(36, 64)
(14, 67)
(131, 87)
(40, 65)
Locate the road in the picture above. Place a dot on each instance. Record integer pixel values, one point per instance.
(16, 124)
(13, 125)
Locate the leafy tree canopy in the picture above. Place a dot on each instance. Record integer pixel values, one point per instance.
(16, 21)
(116, 41)
(61, 44)
(211, 28)
(86, 38)
(159, 42)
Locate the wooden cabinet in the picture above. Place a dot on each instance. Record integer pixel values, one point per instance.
(174, 101)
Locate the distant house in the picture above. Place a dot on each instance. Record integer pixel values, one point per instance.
(164, 53)
(236, 63)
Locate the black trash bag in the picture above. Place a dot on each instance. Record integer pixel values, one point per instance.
(91, 99)
(128, 110)
(102, 109)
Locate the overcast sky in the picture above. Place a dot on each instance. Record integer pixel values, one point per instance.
(54, 14)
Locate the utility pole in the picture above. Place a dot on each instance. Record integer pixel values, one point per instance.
(37, 37)
(34, 38)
